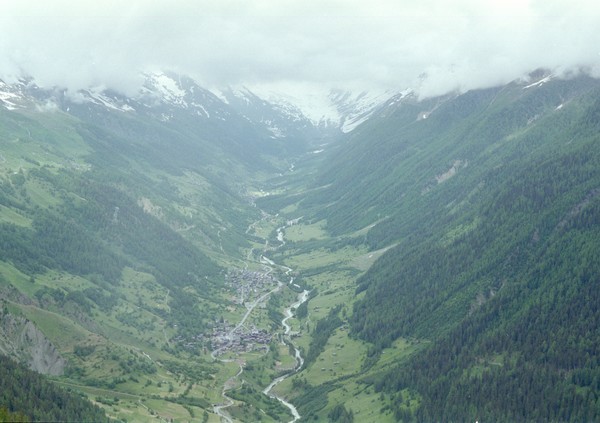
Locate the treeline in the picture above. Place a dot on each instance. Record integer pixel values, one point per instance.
(118, 219)
(387, 168)
(528, 352)
(27, 396)
(340, 414)
(321, 333)
(58, 243)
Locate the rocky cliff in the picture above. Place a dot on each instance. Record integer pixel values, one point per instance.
(22, 340)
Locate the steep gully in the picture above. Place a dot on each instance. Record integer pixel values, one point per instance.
(229, 384)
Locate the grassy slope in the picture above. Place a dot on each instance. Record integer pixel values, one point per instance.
(330, 266)
(338, 369)
(118, 354)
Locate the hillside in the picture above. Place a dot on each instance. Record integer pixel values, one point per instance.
(119, 220)
(490, 202)
(40, 400)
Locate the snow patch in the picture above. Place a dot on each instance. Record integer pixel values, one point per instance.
(98, 96)
(8, 105)
(356, 109)
(300, 100)
(243, 94)
(48, 106)
(220, 95)
(7, 97)
(167, 89)
(350, 124)
(201, 107)
(277, 133)
(401, 95)
(539, 83)
(343, 109)
(272, 127)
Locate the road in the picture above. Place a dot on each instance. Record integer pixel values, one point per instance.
(269, 265)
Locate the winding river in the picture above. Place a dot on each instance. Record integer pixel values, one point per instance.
(302, 297)
(299, 360)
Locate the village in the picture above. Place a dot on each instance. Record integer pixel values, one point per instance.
(247, 287)
(226, 339)
(248, 284)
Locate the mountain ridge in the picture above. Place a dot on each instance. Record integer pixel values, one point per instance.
(339, 109)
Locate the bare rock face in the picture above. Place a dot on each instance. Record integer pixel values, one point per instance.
(22, 340)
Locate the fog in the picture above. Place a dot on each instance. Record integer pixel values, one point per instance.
(432, 46)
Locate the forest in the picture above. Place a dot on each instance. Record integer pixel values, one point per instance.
(26, 396)
(506, 290)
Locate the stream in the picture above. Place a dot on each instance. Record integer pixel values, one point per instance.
(299, 360)
(288, 313)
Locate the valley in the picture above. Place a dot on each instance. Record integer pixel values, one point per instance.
(252, 289)
(225, 259)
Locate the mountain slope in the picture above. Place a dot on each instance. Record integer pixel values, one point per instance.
(283, 120)
(491, 200)
(115, 225)
(32, 398)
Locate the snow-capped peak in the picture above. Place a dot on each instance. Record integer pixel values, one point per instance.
(284, 110)
(335, 108)
(11, 96)
(281, 118)
(166, 88)
(307, 101)
(355, 109)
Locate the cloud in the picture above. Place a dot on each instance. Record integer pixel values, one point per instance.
(434, 46)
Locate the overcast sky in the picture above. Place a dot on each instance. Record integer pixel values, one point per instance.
(432, 45)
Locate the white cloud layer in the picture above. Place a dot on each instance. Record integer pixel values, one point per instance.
(434, 46)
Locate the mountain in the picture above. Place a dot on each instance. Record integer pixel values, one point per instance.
(282, 119)
(119, 217)
(354, 109)
(40, 400)
(486, 205)
(254, 256)
(331, 111)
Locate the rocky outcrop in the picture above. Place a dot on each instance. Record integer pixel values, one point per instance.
(22, 340)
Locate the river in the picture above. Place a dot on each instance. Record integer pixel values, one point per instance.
(299, 360)
(288, 313)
